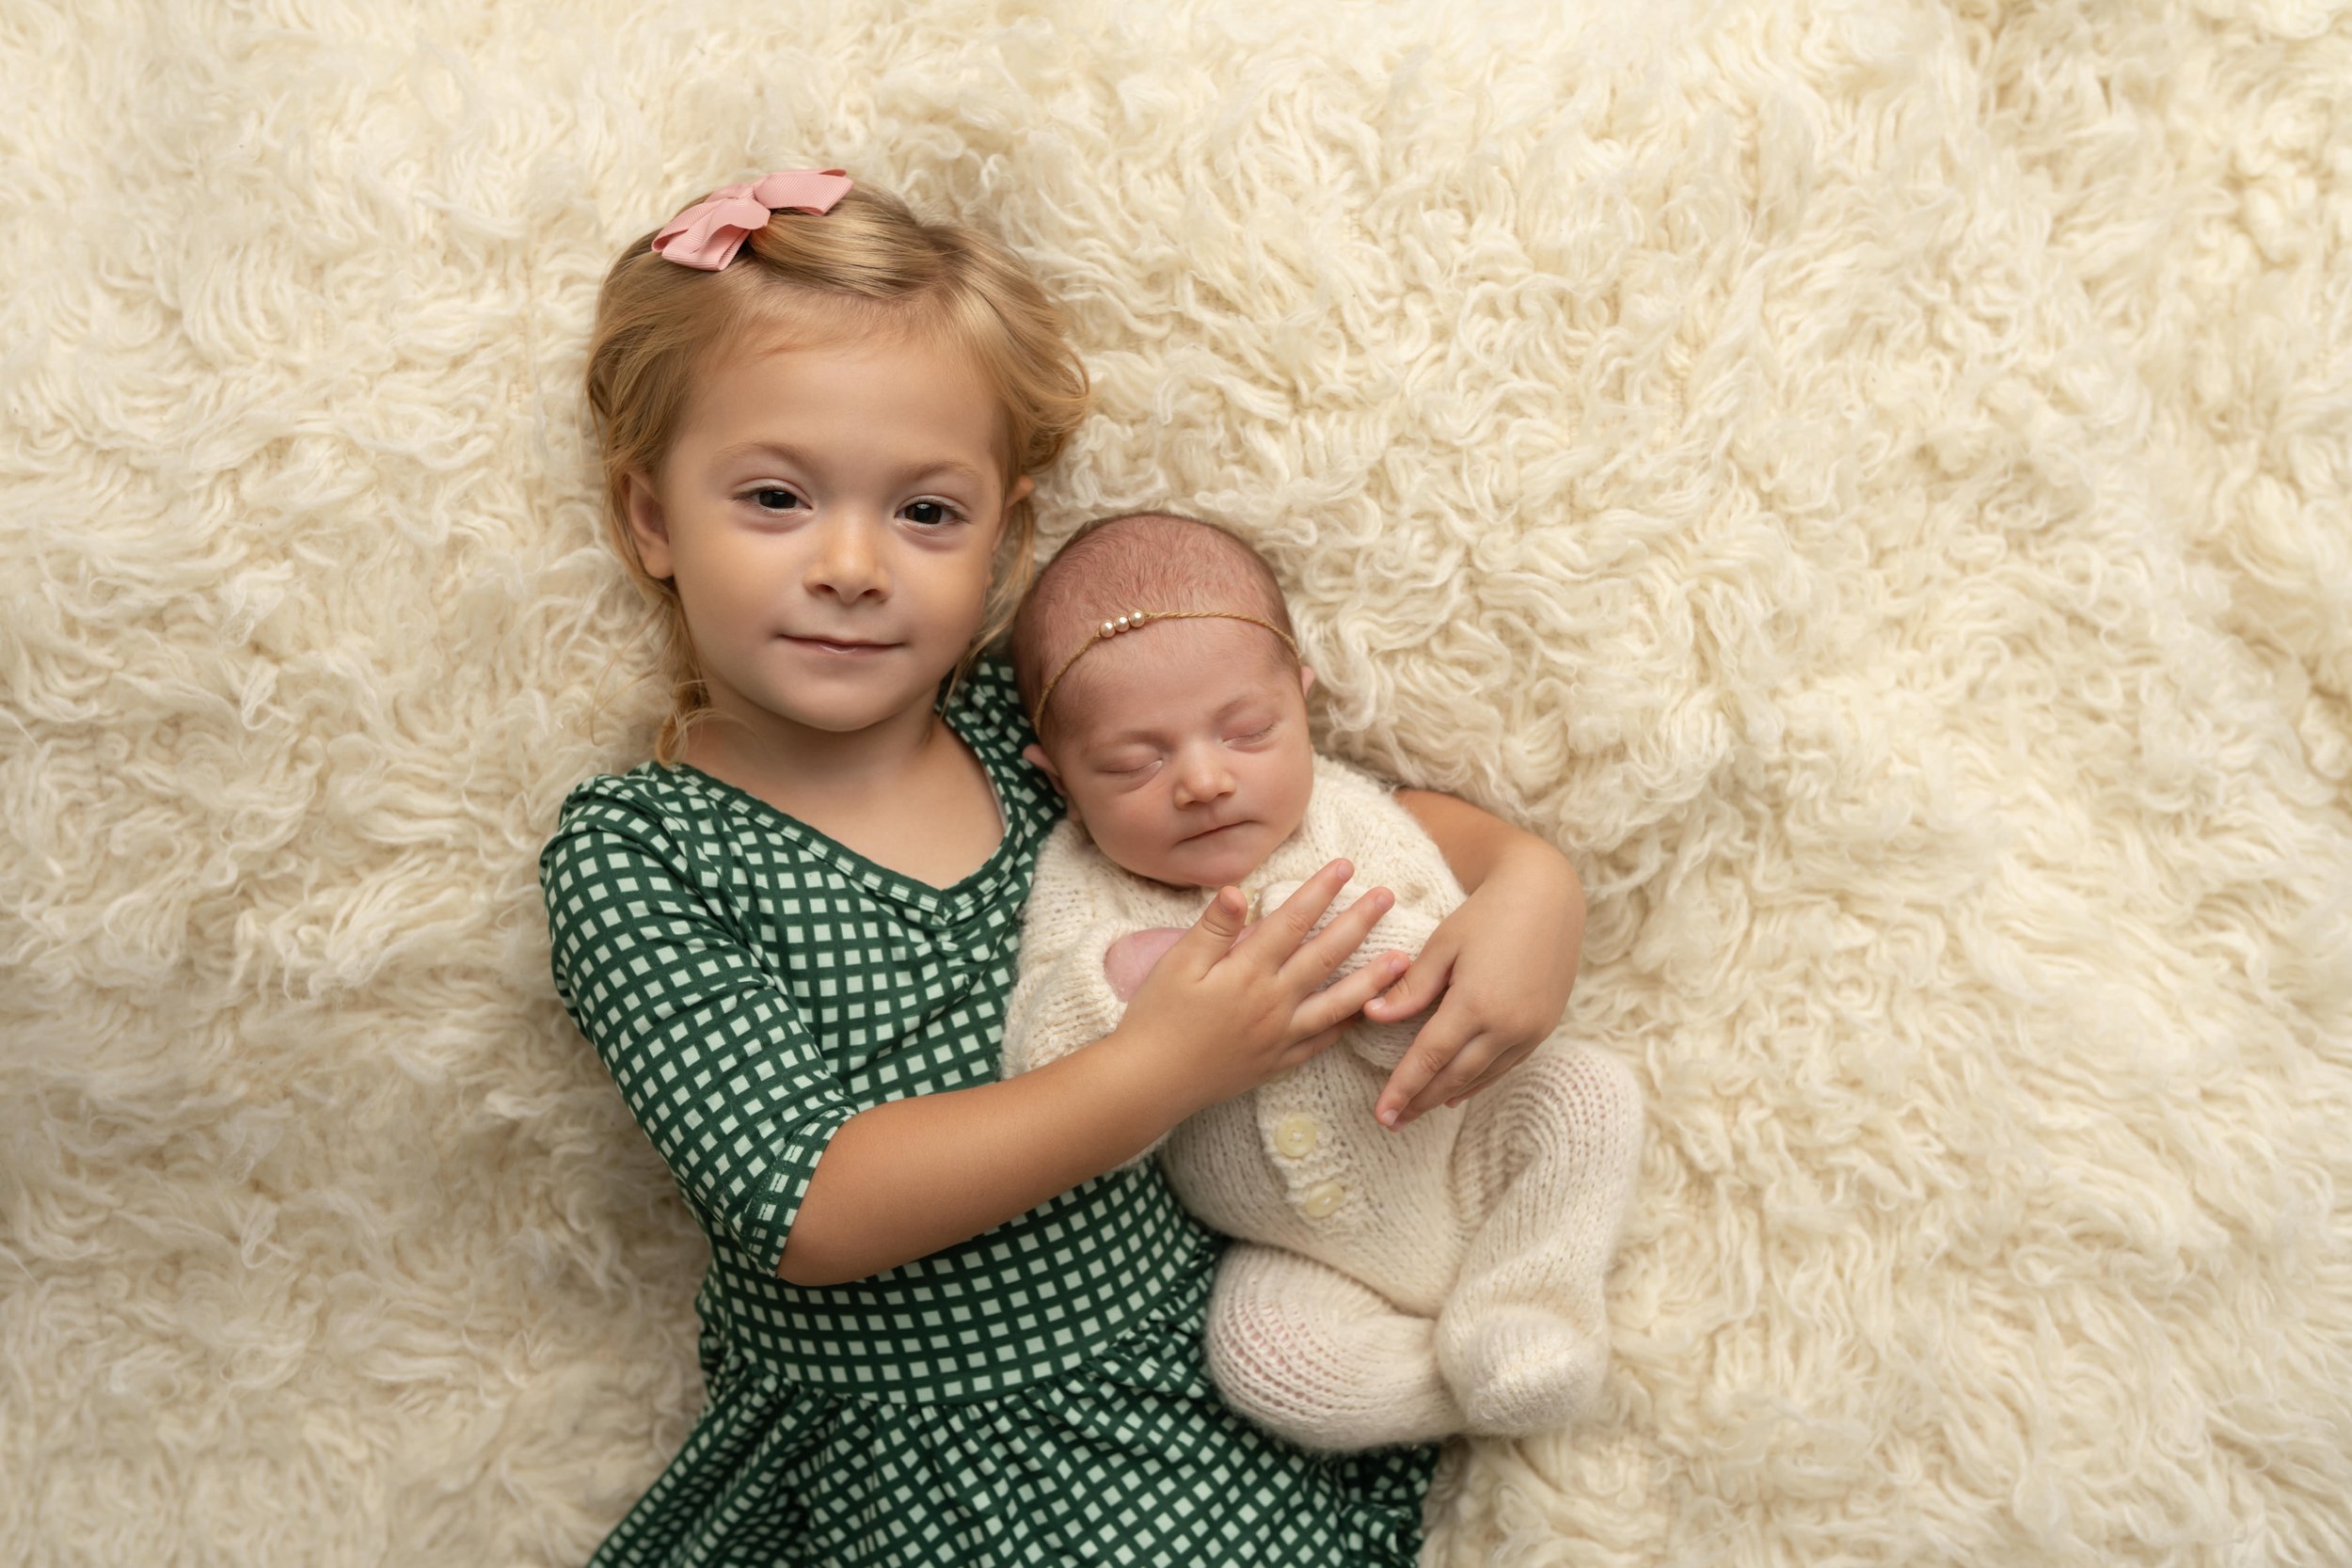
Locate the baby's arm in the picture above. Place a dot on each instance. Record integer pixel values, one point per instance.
(1074, 953)
(1077, 976)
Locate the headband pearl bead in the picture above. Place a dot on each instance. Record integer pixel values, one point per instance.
(1135, 618)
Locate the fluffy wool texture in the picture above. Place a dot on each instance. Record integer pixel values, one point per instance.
(1392, 1285)
(1868, 481)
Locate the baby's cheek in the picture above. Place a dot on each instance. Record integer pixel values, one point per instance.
(1130, 959)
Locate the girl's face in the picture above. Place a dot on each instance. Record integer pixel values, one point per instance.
(829, 511)
(1187, 760)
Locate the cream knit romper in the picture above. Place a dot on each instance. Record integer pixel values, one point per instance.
(1386, 1286)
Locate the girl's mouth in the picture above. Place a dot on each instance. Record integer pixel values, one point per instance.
(844, 650)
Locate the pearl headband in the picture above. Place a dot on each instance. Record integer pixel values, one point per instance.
(1135, 618)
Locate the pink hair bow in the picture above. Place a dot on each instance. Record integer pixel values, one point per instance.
(708, 234)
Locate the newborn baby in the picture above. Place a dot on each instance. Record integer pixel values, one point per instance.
(1386, 1286)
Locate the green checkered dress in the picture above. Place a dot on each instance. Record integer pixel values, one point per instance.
(1034, 1395)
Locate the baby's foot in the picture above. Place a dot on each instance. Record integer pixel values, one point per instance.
(1517, 1370)
(1338, 1384)
(1320, 1357)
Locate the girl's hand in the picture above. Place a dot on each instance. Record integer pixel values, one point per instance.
(1225, 1010)
(1501, 968)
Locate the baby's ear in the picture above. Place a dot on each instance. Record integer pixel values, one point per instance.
(1035, 756)
(1306, 680)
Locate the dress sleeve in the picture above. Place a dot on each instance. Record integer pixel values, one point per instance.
(708, 1051)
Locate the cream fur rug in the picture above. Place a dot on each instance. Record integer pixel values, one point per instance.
(1870, 480)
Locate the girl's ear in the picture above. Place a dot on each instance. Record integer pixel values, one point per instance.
(1020, 491)
(648, 524)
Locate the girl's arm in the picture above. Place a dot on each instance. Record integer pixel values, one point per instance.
(1500, 967)
(910, 1176)
(746, 1108)
(1221, 1012)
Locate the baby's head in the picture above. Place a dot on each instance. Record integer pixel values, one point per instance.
(1180, 744)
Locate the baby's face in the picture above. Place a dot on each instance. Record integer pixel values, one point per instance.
(1185, 755)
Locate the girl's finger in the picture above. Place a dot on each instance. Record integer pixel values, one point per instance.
(1434, 1048)
(1472, 1087)
(1495, 1071)
(1316, 958)
(1283, 929)
(1320, 1041)
(1421, 987)
(1343, 999)
(1212, 935)
(1469, 1064)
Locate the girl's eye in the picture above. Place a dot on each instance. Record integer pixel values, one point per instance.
(760, 498)
(930, 514)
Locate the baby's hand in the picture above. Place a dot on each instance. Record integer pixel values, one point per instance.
(1131, 958)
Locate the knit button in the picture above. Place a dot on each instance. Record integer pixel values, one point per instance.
(1295, 1135)
(1323, 1197)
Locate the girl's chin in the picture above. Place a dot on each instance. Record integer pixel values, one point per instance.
(844, 709)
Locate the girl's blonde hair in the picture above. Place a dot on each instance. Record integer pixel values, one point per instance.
(868, 265)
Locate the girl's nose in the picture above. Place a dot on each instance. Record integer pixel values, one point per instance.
(1202, 776)
(848, 563)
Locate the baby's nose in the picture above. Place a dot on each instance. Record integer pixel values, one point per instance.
(1203, 779)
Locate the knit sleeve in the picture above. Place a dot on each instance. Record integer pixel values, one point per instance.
(1388, 840)
(708, 1051)
(1062, 1001)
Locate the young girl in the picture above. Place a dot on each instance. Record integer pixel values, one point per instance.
(939, 1326)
